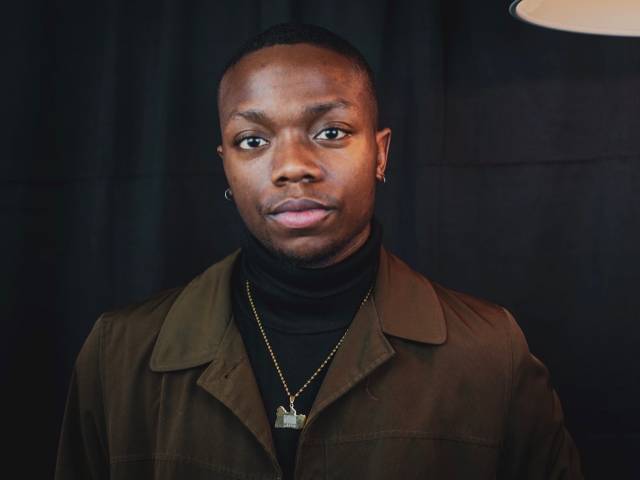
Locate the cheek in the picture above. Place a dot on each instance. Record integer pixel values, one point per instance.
(240, 183)
(356, 168)
(239, 175)
(359, 193)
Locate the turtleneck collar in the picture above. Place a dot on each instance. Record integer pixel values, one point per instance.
(285, 291)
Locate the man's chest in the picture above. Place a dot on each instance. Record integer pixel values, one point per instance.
(409, 415)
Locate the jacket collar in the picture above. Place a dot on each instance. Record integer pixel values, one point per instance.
(406, 303)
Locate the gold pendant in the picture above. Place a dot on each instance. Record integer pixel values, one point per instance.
(290, 419)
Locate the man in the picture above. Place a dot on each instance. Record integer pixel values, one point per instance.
(311, 352)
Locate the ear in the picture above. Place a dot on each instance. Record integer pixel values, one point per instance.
(220, 153)
(383, 140)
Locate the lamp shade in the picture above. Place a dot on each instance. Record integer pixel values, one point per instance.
(603, 17)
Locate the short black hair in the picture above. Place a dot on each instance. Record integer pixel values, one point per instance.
(291, 33)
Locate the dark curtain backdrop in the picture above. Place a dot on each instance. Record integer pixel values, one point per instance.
(514, 176)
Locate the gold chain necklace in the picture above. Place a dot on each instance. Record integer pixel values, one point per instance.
(284, 418)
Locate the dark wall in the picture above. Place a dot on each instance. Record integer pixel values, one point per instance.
(514, 175)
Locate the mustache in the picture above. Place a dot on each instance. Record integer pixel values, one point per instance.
(273, 202)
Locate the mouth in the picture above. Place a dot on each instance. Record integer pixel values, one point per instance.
(300, 213)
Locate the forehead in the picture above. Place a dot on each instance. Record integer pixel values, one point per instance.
(287, 77)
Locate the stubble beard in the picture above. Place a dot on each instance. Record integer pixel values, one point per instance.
(321, 258)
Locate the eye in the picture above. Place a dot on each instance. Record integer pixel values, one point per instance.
(331, 133)
(249, 143)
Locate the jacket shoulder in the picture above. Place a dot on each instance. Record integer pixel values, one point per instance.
(137, 323)
(146, 314)
(479, 325)
(129, 333)
(466, 307)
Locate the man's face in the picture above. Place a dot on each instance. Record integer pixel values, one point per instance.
(301, 152)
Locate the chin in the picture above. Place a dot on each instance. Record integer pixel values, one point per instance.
(306, 251)
(308, 257)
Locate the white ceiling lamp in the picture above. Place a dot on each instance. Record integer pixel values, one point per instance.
(602, 17)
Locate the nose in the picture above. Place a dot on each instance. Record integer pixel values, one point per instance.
(295, 161)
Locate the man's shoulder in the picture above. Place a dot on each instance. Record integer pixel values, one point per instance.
(149, 313)
(126, 335)
(455, 304)
(145, 314)
(471, 322)
(169, 323)
(461, 306)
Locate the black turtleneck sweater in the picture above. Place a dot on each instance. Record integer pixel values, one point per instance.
(304, 311)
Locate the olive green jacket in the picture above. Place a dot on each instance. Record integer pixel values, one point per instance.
(429, 383)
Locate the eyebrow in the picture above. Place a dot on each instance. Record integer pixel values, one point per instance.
(315, 110)
(322, 108)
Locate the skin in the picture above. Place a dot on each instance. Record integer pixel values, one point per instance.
(298, 121)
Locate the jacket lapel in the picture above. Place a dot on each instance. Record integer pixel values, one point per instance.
(403, 304)
(230, 379)
(364, 349)
(199, 329)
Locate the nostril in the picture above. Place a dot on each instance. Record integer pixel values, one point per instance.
(292, 167)
(305, 178)
(308, 178)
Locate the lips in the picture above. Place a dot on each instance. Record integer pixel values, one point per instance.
(300, 213)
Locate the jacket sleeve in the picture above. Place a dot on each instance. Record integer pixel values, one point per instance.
(83, 450)
(536, 444)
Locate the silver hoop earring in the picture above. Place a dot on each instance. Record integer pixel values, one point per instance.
(384, 179)
(228, 194)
